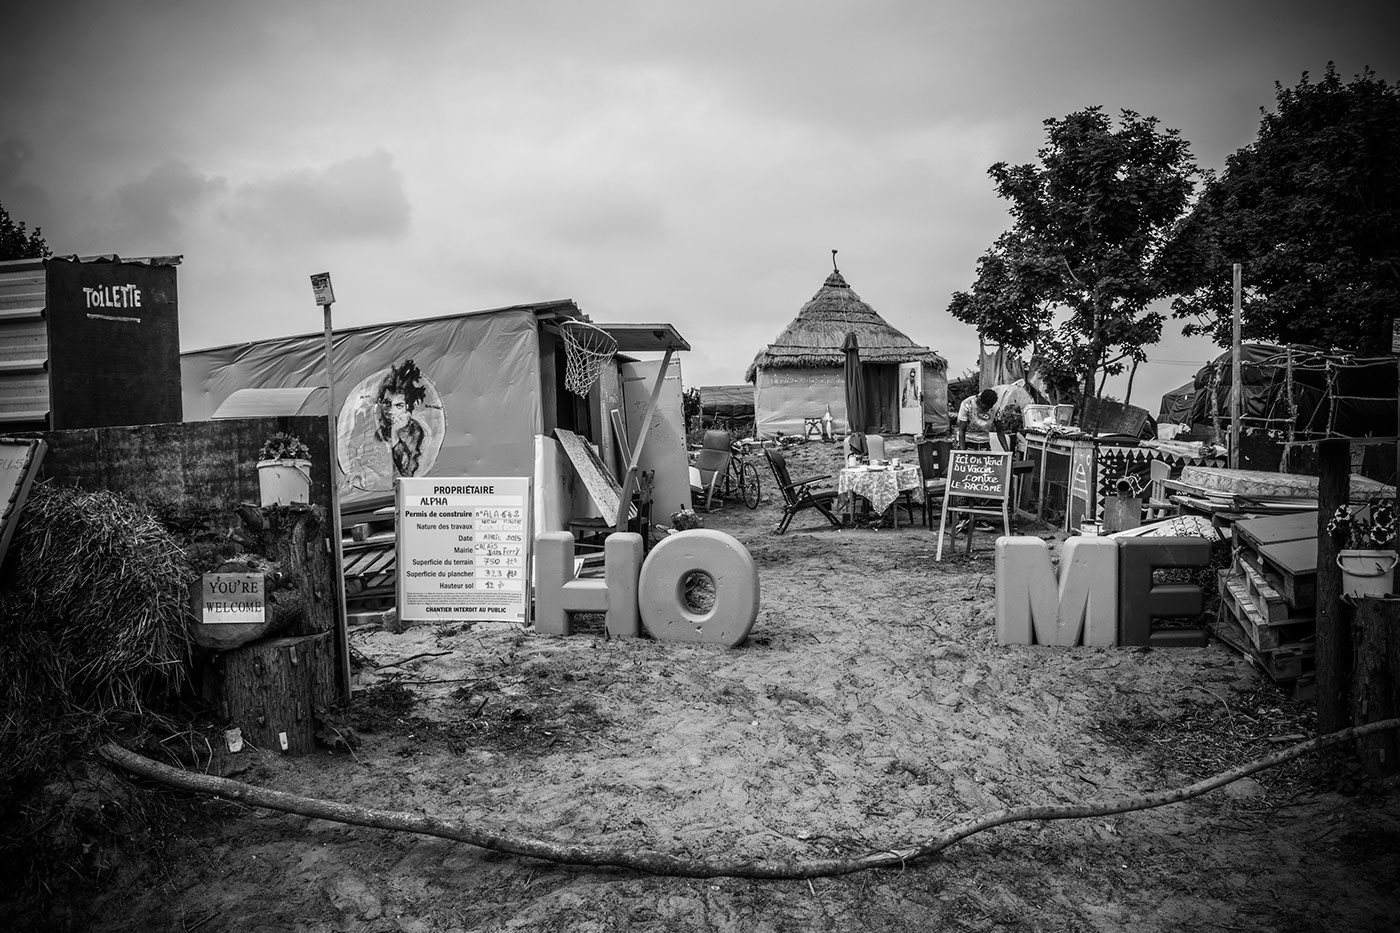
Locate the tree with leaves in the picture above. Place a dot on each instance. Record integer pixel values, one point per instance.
(1090, 221)
(1311, 210)
(18, 243)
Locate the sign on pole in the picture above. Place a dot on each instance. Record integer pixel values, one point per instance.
(463, 548)
(321, 287)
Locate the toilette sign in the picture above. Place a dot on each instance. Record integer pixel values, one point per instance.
(463, 548)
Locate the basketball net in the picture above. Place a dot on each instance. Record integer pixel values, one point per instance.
(587, 349)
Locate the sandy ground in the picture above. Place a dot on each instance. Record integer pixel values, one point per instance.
(870, 708)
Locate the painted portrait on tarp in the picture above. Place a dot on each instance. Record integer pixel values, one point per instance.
(391, 425)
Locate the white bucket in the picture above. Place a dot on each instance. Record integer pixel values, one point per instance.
(284, 482)
(1366, 573)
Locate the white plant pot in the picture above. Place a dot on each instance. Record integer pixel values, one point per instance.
(1366, 573)
(284, 482)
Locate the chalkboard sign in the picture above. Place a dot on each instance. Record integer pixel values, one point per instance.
(463, 548)
(979, 483)
(985, 474)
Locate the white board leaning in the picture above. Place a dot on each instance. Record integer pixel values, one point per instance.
(463, 548)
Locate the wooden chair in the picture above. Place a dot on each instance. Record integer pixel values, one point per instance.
(1020, 469)
(933, 463)
(716, 450)
(799, 494)
(1158, 505)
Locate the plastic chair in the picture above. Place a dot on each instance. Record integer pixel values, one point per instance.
(875, 445)
(716, 450)
(798, 494)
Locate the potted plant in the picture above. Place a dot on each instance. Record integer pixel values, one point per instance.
(284, 470)
(1365, 547)
(1010, 421)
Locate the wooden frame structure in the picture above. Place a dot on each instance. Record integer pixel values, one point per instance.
(980, 475)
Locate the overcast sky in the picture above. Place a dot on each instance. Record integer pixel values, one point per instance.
(686, 163)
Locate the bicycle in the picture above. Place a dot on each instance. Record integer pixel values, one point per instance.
(741, 478)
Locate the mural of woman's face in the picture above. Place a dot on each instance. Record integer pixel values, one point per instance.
(396, 407)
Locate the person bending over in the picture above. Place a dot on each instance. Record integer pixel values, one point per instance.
(976, 420)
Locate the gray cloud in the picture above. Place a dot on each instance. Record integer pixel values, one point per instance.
(360, 198)
(154, 203)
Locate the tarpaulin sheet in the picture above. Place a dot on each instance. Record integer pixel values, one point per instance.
(474, 406)
(785, 396)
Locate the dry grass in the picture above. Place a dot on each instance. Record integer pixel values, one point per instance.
(92, 623)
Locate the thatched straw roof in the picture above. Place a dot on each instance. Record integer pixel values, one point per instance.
(815, 336)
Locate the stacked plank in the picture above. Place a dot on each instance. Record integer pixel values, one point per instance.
(1268, 598)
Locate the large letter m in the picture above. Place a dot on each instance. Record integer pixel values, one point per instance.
(1033, 608)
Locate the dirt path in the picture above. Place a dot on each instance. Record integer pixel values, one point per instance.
(870, 708)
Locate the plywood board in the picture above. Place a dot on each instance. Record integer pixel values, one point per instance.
(601, 485)
(1298, 558)
(1256, 532)
(19, 463)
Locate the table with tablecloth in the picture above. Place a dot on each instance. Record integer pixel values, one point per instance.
(880, 487)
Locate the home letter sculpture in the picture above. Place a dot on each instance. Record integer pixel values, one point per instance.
(652, 592)
(1105, 591)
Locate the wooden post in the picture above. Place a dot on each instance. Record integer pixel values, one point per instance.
(1375, 692)
(1333, 651)
(325, 297)
(1236, 390)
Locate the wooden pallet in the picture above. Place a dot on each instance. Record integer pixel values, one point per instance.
(1264, 634)
(1283, 663)
(1266, 590)
(1284, 550)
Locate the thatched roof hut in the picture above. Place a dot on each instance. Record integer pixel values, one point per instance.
(799, 375)
(814, 337)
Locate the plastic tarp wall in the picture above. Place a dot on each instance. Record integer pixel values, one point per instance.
(473, 409)
(784, 397)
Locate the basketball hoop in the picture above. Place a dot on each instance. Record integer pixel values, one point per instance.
(587, 349)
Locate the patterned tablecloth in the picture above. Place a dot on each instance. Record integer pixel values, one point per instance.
(881, 487)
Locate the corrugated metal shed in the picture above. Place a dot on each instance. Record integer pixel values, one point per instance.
(24, 346)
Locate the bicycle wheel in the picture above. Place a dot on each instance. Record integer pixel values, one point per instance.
(748, 484)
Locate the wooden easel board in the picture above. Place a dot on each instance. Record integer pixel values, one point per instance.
(19, 464)
(983, 476)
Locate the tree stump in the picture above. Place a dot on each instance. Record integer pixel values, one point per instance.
(272, 688)
(284, 605)
(294, 537)
(1375, 681)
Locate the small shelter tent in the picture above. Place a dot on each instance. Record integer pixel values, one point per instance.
(475, 394)
(801, 374)
(725, 404)
(1301, 392)
(1177, 404)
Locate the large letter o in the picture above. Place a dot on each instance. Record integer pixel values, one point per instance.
(665, 613)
